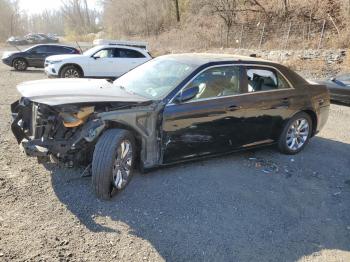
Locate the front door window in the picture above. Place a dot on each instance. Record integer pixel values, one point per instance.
(217, 82)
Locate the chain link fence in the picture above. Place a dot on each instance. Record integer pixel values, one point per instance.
(289, 35)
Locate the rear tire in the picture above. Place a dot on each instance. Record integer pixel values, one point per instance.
(71, 71)
(296, 134)
(20, 64)
(113, 162)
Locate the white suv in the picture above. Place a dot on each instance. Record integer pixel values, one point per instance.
(109, 61)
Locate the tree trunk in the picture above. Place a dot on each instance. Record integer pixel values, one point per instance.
(285, 7)
(228, 34)
(177, 10)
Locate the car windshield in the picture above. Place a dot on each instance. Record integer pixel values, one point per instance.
(156, 78)
(92, 51)
(343, 78)
(29, 48)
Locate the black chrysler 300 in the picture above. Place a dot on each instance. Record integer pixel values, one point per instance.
(170, 109)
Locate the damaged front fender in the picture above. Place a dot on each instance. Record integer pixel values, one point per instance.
(145, 121)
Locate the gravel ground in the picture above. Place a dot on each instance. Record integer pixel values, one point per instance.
(250, 206)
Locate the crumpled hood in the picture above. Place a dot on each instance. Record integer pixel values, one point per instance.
(61, 57)
(70, 91)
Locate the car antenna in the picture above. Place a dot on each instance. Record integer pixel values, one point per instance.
(81, 51)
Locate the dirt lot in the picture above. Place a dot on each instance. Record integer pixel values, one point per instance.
(251, 206)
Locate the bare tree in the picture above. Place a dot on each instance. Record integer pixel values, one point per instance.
(137, 17)
(10, 19)
(78, 17)
(45, 22)
(226, 10)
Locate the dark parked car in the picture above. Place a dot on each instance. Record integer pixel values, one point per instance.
(170, 109)
(35, 56)
(48, 38)
(15, 40)
(339, 88)
(32, 39)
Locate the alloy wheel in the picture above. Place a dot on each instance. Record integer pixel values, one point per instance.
(71, 73)
(20, 64)
(297, 134)
(122, 164)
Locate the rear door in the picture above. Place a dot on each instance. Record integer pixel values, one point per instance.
(127, 59)
(269, 100)
(54, 50)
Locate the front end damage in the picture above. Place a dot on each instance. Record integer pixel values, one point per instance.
(68, 133)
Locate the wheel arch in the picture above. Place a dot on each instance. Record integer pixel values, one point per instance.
(20, 57)
(71, 64)
(309, 112)
(313, 116)
(133, 131)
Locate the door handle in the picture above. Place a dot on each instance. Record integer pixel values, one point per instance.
(233, 108)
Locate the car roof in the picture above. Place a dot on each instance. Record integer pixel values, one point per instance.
(205, 58)
(122, 46)
(53, 45)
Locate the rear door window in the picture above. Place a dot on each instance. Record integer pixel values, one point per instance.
(55, 49)
(264, 79)
(60, 50)
(128, 53)
(68, 50)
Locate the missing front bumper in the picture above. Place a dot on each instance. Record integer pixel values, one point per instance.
(33, 150)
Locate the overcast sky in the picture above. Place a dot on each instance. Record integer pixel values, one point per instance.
(37, 6)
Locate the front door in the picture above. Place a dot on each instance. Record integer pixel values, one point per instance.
(102, 63)
(209, 123)
(36, 56)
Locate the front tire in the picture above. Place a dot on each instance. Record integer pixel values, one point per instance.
(113, 162)
(296, 134)
(71, 71)
(20, 64)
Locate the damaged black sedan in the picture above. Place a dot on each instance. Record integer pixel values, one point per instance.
(171, 109)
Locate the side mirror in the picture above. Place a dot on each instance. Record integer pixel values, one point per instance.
(333, 79)
(187, 94)
(96, 57)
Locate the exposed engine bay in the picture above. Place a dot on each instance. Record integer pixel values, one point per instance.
(68, 133)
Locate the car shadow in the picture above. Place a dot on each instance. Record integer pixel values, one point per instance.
(227, 208)
(29, 71)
